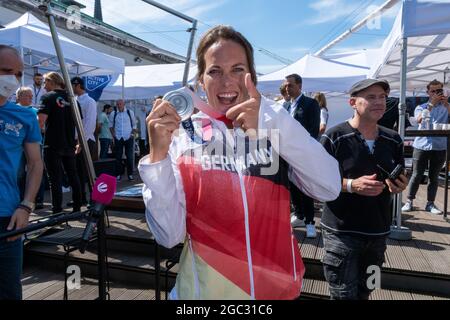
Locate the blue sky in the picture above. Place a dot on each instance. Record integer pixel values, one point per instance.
(287, 28)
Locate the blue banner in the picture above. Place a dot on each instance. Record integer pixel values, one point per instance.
(95, 85)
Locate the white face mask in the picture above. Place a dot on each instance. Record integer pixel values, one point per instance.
(8, 85)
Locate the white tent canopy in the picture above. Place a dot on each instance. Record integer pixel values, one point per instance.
(33, 38)
(359, 58)
(426, 24)
(319, 74)
(146, 82)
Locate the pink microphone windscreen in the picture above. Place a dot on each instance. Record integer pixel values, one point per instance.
(104, 189)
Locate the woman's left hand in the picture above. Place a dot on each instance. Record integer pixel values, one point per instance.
(246, 114)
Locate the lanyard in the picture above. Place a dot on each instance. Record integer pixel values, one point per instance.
(36, 94)
(189, 127)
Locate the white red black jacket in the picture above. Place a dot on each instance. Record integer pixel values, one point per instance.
(236, 221)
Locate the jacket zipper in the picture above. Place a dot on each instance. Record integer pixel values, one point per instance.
(293, 260)
(194, 269)
(247, 225)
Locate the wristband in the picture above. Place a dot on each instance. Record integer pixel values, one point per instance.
(28, 204)
(349, 185)
(27, 209)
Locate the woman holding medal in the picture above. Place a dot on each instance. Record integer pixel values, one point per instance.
(225, 196)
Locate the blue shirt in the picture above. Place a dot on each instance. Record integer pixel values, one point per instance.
(18, 126)
(123, 124)
(439, 114)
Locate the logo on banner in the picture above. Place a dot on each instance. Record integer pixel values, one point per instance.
(95, 85)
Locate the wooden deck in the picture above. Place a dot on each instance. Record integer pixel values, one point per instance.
(38, 284)
(319, 289)
(426, 255)
(427, 252)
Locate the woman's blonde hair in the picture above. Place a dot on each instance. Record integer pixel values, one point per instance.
(320, 97)
(56, 78)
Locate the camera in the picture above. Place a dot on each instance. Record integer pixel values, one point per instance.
(440, 92)
(398, 170)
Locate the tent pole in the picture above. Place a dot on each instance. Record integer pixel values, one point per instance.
(76, 113)
(123, 86)
(397, 231)
(23, 77)
(192, 30)
(189, 53)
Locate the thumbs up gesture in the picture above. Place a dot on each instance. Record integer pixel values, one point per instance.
(245, 115)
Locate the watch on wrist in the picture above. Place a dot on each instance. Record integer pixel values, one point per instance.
(28, 204)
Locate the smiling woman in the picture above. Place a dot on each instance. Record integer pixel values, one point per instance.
(225, 194)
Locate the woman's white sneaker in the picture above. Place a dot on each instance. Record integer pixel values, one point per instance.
(408, 206)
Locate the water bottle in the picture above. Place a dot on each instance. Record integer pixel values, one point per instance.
(426, 120)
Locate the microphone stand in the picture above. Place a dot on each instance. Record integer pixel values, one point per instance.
(102, 257)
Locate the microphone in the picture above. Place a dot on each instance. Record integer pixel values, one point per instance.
(102, 195)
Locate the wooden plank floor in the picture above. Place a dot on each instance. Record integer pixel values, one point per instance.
(428, 251)
(38, 284)
(319, 288)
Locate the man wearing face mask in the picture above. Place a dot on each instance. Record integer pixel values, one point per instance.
(19, 132)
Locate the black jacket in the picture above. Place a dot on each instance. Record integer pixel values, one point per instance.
(308, 114)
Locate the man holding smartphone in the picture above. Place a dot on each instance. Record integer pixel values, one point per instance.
(355, 225)
(429, 150)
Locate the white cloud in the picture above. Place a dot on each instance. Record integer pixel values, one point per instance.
(330, 10)
(392, 12)
(125, 12)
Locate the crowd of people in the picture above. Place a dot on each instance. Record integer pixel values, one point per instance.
(356, 191)
(232, 188)
(39, 143)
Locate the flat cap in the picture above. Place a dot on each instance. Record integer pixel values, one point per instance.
(364, 84)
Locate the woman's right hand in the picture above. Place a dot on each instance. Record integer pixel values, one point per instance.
(162, 121)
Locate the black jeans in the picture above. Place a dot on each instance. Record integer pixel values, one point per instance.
(104, 147)
(346, 262)
(129, 153)
(302, 204)
(55, 161)
(143, 148)
(420, 162)
(11, 259)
